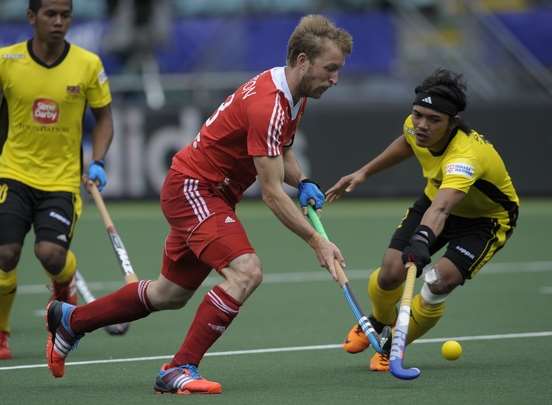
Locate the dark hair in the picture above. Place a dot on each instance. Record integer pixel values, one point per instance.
(34, 5)
(449, 85)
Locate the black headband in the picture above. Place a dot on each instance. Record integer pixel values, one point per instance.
(436, 102)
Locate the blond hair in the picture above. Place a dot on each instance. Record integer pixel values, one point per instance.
(309, 35)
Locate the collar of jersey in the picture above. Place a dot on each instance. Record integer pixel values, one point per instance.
(279, 78)
(40, 62)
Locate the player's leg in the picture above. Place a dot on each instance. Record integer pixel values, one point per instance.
(232, 255)
(67, 323)
(385, 284)
(55, 218)
(15, 222)
(472, 243)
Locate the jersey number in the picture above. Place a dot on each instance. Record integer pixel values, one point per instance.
(221, 108)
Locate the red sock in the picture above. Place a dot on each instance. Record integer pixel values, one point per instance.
(214, 315)
(124, 305)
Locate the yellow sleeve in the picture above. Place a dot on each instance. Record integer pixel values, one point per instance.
(98, 93)
(460, 171)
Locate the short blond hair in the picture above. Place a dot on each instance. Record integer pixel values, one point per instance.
(308, 37)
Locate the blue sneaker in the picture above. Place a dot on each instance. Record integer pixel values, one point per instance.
(184, 380)
(61, 338)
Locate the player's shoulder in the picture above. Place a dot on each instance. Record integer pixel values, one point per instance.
(84, 54)
(408, 126)
(13, 52)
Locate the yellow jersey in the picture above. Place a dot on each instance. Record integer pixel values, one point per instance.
(472, 165)
(46, 106)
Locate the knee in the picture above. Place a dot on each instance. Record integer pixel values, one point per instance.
(52, 257)
(392, 274)
(247, 272)
(9, 256)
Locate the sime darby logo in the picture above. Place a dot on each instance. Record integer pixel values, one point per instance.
(45, 111)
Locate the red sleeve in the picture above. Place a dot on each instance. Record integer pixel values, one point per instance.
(266, 119)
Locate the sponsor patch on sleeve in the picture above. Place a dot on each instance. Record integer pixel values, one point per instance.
(102, 77)
(462, 169)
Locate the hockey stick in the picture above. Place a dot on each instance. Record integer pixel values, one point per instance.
(87, 296)
(343, 281)
(400, 331)
(116, 242)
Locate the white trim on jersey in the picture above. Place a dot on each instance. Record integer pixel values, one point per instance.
(275, 128)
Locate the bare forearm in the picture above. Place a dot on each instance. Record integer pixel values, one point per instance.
(287, 212)
(293, 173)
(101, 140)
(435, 219)
(395, 153)
(102, 133)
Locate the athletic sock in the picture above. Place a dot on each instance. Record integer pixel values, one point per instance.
(8, 287)
(65, 276)
(423, 317)
(383, 301)
(214, 315)
(124, 305)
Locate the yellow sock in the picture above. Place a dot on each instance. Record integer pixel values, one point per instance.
(8, 286)
(383, 301)
(423, 317)
(66, 275)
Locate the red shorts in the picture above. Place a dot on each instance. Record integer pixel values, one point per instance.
(204, 231)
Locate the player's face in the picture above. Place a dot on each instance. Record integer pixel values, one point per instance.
(431, 127)
(52, 20)
(322, 72)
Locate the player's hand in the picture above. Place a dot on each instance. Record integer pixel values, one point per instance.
(310, 193)
(96, 173)
(328, 254)
(346, 184)
(417, 250)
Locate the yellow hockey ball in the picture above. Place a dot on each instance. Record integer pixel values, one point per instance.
(451, 350)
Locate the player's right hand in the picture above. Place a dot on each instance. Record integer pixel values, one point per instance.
(345, 184)
(327, 254)
(96, 173)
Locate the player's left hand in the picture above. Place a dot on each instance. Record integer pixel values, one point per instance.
(310, 193)
(96, 173)
(417, 250)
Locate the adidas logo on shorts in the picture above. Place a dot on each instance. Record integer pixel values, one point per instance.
(229, 220)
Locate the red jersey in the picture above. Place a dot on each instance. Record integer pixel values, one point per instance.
(258, 119)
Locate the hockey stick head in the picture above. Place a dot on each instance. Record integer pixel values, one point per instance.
(396, 358)
(118, 329)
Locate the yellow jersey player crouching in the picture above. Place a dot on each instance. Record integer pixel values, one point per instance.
(46, 85)
(469, 204)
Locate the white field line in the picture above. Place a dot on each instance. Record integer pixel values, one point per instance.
(314, 275)
(288, 349)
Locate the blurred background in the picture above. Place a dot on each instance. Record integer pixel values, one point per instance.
(171, 63)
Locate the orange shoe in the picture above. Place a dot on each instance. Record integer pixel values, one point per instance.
(5, 353)
(379, 362)
(66, 292)
(184, 380)
(61, 338)
(356, 341)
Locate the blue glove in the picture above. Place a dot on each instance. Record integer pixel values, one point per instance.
(308, 190)
(417, 250)
(96, 173)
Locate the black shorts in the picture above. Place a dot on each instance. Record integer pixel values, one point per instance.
(472, 242)
(53, 214)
